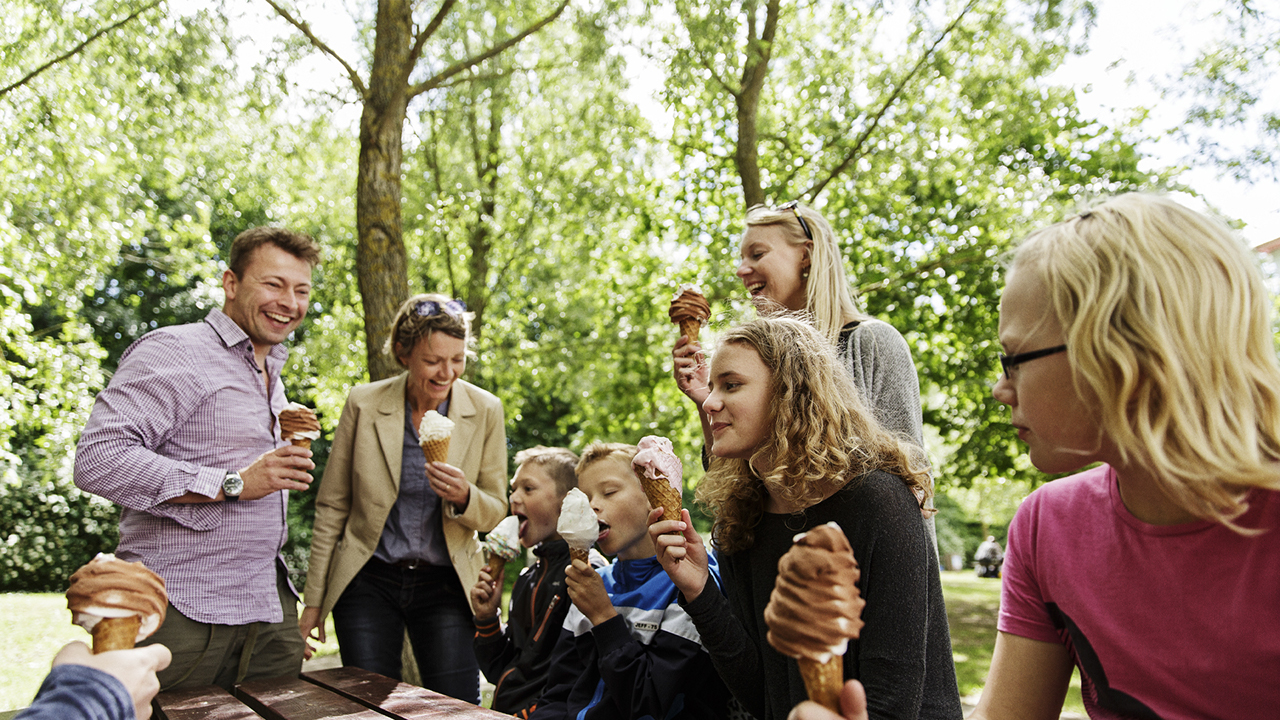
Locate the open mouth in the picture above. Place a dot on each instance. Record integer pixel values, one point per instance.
(755, 289)
(604, 532)
(275, 317)
(524, 523)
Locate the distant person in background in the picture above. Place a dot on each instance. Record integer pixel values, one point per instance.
(115, 685)
(395, 545)
(989, 556)
(185, 438)
(1138, 334)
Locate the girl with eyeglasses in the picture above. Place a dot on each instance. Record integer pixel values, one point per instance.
(395, 542)
(1155, 570)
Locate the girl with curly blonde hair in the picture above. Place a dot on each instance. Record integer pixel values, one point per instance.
(795, 447)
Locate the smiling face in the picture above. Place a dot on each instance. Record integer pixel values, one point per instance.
(738, 405)
(536, 502)
(271, 298)
(771, 267)
(620, 503)
(435, 362)
(1060, 429)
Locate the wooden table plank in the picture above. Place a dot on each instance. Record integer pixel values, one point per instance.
(201, 703)
(291, 698)
(396, 698)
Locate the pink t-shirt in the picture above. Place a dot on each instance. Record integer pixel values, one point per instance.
(1174, 621)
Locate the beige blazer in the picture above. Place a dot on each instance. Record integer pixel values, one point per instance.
(362, 480)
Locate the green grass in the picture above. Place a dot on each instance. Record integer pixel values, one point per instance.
(973, 604)
(33, 626)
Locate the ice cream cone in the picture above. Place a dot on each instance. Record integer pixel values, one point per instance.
(823, 681)
(115, 633)
(583, 554)
(690, 327)
(661, 494)
(436, 450)
(304, 443)
(497, 564)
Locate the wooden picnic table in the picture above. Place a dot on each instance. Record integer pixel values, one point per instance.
(345, 692)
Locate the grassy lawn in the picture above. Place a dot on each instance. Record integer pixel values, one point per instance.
(972, 605)
(34, 626)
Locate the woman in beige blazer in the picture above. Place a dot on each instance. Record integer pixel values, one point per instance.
(394, 545)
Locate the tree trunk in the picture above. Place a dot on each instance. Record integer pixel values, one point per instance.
(381, 261)
(755, 70)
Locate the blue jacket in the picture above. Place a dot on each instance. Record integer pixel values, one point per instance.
(79, 692)
(648, 662)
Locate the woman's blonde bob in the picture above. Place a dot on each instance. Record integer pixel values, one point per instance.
(823, 435)
(828, 300)
(423, 314)
(1168, 323)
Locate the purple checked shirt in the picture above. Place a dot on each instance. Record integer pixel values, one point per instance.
(186, 405)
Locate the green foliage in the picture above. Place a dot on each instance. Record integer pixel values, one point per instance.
(51, 529)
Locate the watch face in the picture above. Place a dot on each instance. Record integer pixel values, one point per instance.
(232, 485)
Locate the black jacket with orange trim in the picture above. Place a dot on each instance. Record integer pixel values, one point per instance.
(517, 659)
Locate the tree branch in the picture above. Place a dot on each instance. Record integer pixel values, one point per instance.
(77, 49)
(924, 268)
(420, 39)
(320, 45)
(438, 79)
(855, 152)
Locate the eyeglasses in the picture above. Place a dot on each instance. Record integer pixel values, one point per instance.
(430, 308)
(1009, 362)
(794, 206)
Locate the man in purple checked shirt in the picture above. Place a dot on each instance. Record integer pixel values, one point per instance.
(185, 439)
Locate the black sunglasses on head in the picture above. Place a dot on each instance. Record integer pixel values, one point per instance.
(794, 206)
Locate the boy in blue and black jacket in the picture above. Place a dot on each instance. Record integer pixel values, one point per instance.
(516, 658)
(627, 650)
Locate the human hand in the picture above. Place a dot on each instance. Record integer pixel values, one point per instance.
(311, 628)
(285, 468)
(680, 552)
(449, 483)
(690, 370)
(486, 595)
(586, 590)
(135, 668)
(853, 706)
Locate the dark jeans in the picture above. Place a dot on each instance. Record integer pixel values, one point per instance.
(371, 617)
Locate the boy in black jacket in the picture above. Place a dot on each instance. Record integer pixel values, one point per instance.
(628, 650)
(516, 658)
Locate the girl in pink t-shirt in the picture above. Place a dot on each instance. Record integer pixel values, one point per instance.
(1138, 335)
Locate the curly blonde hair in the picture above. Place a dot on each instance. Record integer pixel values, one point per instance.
(823, 435)
(828, 299)
(1168, 324)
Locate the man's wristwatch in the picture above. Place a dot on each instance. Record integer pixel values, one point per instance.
(232, 485)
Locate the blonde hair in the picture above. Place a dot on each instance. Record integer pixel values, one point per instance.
(598, 451)
(823, 435)
(560, 464)
(414, 322)
(1168, 323)
(828, 300)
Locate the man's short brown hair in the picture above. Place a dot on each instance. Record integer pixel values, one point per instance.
(299, 245)
(559, 464)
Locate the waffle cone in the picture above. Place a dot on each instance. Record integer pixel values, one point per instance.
(690, 327)
(823, 681)
(304, 443)
(116, 633)
(583, 554)
(661, 494)
(436, 450)
(496, 565)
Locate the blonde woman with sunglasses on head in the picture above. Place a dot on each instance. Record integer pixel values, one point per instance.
(790, 262)
(1138, 336)
(395, 543)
